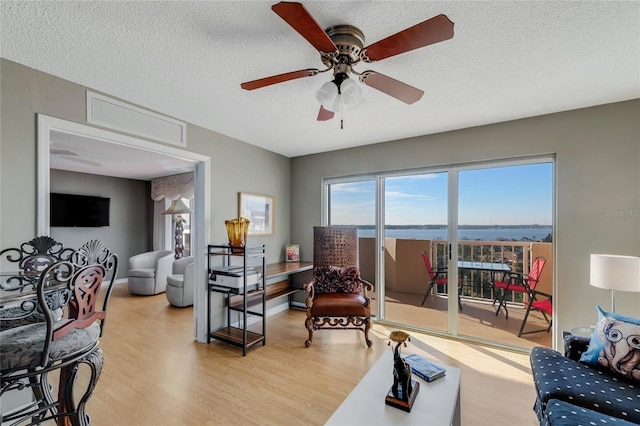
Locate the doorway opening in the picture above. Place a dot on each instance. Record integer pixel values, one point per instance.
(47, 126)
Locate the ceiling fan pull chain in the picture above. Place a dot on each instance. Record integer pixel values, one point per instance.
(341, 112)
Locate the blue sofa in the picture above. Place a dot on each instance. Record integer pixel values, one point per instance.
(570, 392)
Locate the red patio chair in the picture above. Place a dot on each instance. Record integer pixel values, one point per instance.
(437, 278)
(544, 306)
(518, 282)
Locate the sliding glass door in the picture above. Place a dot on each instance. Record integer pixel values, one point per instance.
(433, 242)
(504, 224)
(415, 243)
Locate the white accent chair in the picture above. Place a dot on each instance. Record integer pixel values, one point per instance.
(148, 272)
(180, 283)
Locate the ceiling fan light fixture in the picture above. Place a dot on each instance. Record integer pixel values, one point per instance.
(351, 94)
(336, 106)
(327, 95)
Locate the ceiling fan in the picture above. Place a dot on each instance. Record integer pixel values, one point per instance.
(341, 47)
(72, 156)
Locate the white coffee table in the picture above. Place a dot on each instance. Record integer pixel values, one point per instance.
(437, 403)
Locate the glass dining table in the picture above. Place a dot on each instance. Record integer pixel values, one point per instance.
(19, 297)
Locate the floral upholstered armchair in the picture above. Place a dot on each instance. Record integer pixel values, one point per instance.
(337, 297)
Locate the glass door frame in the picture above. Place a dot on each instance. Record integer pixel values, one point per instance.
(453, 172)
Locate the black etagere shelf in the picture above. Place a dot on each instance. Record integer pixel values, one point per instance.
(237, 296)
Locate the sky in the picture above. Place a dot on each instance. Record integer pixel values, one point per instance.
(513, 195)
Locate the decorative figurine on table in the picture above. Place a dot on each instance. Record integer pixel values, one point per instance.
(404, 390)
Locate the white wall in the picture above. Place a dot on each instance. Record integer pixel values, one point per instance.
(597, 152)
(598, 168)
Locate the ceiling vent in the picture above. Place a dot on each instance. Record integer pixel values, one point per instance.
(117, 115)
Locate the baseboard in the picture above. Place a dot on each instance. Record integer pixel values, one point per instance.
(298, 305)
(116, 282)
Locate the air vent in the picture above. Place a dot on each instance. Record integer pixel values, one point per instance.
(117, 115)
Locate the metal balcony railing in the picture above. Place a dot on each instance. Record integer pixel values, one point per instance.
(476, 284)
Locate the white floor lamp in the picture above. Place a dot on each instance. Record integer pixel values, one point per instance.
(615, 273)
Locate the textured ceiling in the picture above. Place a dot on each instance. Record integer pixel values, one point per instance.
(507, 60)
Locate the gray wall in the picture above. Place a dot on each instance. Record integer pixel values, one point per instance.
(598, 170)
(597, 164)
(235, 166)
(129, 230)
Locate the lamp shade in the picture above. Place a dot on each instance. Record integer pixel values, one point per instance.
(177, 207)
(615, 272)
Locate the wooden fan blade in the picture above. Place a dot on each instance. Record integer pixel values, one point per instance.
(300, 20)
(392, 87)
(431, 31)
(268, 81)
(324, 115)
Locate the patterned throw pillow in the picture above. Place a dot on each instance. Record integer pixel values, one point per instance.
(615, 344)
(332, 279)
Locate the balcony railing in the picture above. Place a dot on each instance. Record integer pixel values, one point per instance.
(476, 284)
(405, 271)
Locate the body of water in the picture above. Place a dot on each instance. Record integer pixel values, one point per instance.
(483, 234)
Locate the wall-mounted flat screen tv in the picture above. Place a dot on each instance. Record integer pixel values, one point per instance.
(78, 210)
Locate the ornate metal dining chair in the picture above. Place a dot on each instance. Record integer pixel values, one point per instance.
(31, 259)
(67, 296)
(337, 296)
(36, 255)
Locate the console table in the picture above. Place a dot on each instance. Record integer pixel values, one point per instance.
(278, 270)
(437, 402)
(249, 302)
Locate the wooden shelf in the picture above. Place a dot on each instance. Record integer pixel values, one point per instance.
(235, 336)
(274, 291)
(287, 268)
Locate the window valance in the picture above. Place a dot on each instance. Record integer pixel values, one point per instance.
(172, 187)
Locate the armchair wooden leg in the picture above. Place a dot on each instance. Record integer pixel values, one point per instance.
(367, 327)
(309, 324)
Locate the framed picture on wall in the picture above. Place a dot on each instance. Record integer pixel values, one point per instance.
(259, 209)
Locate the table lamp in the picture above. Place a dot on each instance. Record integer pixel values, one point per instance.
(615, 273)
(178, 208)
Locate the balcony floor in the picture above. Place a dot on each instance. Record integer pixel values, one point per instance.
(477, 319)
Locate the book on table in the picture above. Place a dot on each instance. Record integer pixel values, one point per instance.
(424, 368)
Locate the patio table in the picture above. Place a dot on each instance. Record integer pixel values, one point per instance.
(484, 266)
(467, 265)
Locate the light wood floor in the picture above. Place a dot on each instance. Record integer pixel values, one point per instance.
(156, 374)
